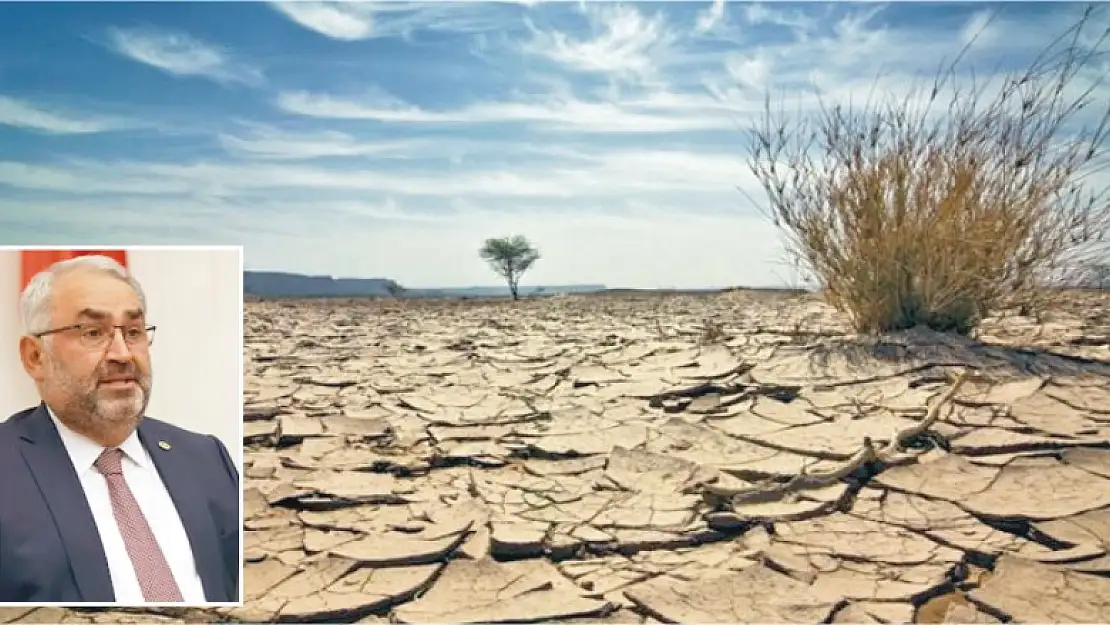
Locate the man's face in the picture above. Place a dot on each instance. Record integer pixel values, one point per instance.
(98, 385)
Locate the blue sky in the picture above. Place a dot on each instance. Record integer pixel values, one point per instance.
(389, 139)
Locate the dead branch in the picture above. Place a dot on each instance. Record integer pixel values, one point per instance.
(867, 454)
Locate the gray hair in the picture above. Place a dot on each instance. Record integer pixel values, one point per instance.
(35, 301)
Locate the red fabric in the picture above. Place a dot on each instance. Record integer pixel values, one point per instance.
(34, 261)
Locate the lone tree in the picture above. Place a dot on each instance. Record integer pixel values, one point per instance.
(907, 215)
(510, 257)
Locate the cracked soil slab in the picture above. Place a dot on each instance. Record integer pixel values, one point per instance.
(570, 459)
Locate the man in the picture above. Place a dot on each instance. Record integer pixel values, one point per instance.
(99, 502)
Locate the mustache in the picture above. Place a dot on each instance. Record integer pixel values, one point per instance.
(118, 374)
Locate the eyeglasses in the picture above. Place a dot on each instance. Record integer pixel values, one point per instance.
(98, 336)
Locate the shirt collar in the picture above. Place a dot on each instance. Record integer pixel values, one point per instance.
(84, 451)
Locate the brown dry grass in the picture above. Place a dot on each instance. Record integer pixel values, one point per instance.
(908, 217)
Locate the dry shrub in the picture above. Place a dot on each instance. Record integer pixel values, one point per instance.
(908, 215)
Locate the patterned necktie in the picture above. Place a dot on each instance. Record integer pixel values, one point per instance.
(150, 564)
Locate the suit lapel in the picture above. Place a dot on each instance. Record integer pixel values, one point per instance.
(189, 499)
(52, 471)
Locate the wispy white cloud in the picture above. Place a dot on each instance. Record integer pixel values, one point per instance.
(261, 142)
(763, 14)
(25, 115)
(352, 21)
(181, 55)
(658, 112)
(710, 18)
(266, 142)
(339, 20)
(607, 174)
(839, 59)
(621, 41)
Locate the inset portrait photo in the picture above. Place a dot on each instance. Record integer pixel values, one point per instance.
(121, 426)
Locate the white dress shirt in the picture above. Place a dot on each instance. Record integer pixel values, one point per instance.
(157, 506)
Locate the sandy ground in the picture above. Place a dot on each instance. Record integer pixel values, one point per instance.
(636, 459)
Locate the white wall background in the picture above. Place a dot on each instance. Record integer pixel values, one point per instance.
(195, 298)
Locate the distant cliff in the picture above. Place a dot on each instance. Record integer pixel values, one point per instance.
(281, 284)
(285, 284)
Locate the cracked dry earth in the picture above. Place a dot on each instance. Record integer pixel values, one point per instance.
(621, 459)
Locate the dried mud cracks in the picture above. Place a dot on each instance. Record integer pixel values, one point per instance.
(595, 460)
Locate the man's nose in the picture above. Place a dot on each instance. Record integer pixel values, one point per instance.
(118, 349)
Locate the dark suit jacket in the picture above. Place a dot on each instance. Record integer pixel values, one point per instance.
(50, 549)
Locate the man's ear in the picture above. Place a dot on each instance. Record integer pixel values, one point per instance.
(30, 354)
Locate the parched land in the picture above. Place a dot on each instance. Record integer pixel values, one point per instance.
(737, 457)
